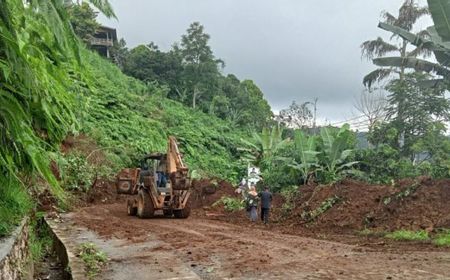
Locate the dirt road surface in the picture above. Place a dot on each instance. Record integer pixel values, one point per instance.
(198, 248)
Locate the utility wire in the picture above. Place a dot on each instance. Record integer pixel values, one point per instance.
(346, 121)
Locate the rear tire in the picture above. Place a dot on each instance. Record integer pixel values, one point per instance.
(185, 212)
(145, 207)
(131, 208)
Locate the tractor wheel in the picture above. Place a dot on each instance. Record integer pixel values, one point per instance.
(183, 213)
(131, 208)
(145, 207)
(168, 213)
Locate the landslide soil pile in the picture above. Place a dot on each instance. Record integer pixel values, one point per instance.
(347, 207)
(426, 207)
(206, 192)
(409, 204)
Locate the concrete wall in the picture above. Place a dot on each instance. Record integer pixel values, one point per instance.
(15, 257)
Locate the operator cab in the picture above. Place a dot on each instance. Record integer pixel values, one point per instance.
(154, 172)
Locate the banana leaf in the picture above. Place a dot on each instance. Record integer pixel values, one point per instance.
(306, 147)
(414, 63)
(440, 12)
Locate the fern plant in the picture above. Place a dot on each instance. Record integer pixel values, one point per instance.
(39, 66)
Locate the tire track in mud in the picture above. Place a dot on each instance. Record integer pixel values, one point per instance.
(218, 250)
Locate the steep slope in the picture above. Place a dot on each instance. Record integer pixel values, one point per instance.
(131, 118)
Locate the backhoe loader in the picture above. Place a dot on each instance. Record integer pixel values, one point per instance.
(161, 183)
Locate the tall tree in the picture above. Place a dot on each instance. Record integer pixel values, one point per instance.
(422, 107)
(148, 63)
(84, 20)
(201, 68)
(297, 115)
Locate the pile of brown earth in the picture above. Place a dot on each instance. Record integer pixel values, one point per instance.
(206, 192)
(409, 204)
(351, 206)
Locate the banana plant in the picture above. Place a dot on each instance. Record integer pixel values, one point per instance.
(306, 148)
(263, 147)
(440, 12)
(437, 41)
(335, 152)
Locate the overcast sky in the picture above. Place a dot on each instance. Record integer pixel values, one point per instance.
(292, 49)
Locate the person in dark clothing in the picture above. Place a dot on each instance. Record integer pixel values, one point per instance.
(266, 201)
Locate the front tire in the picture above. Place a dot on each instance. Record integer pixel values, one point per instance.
(145, 207)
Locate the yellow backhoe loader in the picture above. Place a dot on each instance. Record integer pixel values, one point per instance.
(161, 183)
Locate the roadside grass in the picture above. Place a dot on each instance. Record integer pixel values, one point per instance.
(93, 258)
(408, 235)
(40, 240)
(442, 238)
(14, 205)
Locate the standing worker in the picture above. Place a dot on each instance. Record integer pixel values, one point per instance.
(266, 201)
(252, 203)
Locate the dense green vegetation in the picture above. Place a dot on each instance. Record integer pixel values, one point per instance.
(132, 118)
(411, 141)
(38, 62)
(52, 86)
(407, 135)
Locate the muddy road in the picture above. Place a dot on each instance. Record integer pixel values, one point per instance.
(198, 248)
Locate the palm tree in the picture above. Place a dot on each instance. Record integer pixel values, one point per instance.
(408, 15)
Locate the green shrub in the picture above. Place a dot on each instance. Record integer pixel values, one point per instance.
(230, 204)
(76, 172)
(39, 239)
(442, 239)
(290, 195)
(93, 259)
(407, 235)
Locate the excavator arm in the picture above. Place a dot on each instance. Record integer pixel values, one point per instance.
(177, 170)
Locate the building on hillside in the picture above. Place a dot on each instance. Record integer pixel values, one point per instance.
(103, 40)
